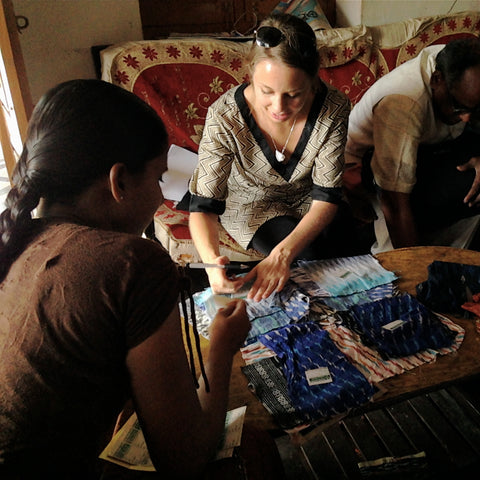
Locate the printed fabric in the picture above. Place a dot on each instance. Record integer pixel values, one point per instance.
(303, 347)
(341, 276)
(239, 178)
(370, 362)
(267, 382)
(279, 309)
(399, 326)
(345, 302)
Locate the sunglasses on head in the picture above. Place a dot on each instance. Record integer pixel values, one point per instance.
(270, 37)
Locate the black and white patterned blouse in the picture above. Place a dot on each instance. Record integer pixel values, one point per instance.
(239, 178)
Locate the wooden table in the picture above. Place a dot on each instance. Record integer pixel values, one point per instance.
(410, 264)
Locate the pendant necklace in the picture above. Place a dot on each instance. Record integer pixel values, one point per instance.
(280, 155)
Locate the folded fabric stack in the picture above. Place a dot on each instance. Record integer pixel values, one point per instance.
(317, 349)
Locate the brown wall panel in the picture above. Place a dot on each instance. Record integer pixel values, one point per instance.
(161, 18)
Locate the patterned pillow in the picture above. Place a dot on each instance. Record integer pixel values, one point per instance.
(171, 230)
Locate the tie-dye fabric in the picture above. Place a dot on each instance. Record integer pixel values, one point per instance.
(345, 302)
(328, 315)
(340, 276)
(267, 382)
(279, 309)
(370, 362)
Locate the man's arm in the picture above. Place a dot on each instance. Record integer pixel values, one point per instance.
(399, 218)
(397, 127)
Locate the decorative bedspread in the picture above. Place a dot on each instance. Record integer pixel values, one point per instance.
(182, 77)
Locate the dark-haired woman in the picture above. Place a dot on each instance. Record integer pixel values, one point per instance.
(88, 308)
(271, 162)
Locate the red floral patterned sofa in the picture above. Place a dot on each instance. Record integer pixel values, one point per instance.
(181, 77)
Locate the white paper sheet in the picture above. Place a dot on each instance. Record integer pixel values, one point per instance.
(181, 164)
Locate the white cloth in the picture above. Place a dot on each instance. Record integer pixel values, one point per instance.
(412, 80)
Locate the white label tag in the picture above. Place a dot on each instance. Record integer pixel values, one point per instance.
(393, 325)
(317, 376)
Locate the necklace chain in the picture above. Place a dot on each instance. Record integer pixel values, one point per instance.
(280, 155)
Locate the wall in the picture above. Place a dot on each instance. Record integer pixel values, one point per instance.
(379, 12)
(56, 44)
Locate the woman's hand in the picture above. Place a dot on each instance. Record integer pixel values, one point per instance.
(271, 274)
(218, 279)
(473, 195)
(230, 326)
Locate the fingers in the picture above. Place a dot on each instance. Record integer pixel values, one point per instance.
(472, 202)
(269, 276)
(263, 288)
(250, 275)
(473, 193)
(220, 283)
(231, 325)
(222, 260)
(464, 166)
(236, 307)
(227, 310)
(472, 196)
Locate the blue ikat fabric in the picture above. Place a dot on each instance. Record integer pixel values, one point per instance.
(306, 346)
(400, 326)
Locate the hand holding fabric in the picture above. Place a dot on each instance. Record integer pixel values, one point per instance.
(230, 326)
(220, 281)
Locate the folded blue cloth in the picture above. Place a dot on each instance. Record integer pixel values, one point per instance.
(399, 326)
(306, 347)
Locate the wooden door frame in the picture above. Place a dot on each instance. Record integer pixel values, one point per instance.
(17, 82)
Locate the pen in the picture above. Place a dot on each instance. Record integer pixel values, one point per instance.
(230, 267)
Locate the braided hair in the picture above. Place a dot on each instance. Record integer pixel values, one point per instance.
(78, 131)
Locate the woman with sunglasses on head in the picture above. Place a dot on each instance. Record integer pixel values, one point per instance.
(271, 162)
(88, 308)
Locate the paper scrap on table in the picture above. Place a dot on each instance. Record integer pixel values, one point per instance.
(232, 434)
(128, 448)
(181, 164)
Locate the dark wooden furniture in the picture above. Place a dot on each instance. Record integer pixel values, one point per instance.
(161, 18)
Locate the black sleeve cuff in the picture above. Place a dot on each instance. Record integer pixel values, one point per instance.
(206, 205)
(327, 194)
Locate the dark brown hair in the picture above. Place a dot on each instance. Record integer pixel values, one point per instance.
(78, 131)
